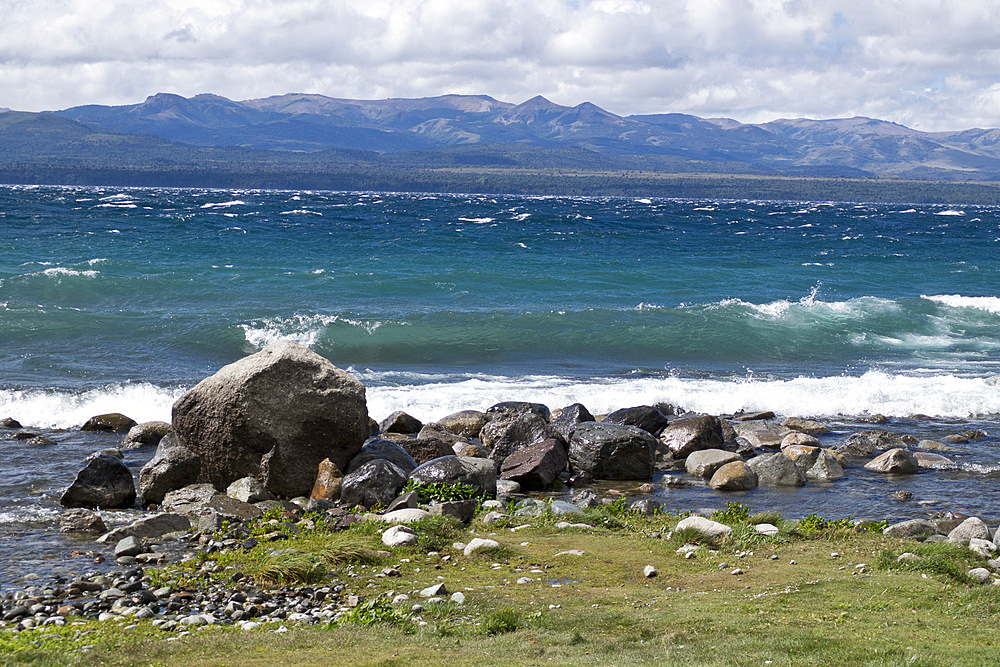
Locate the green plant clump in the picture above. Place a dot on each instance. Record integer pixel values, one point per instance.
(442, 492)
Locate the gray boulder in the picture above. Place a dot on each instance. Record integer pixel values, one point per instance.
(523, 431)
(380, 448)
(912, 528)
(973, 527)
(815, 463)
(446, 436)
(515, 408)
(536, 466)
(81, 520)
(569, 417)
(377, 482)
(857, 446)
(776, 470)
(479, 473)
(704, 526)
(690, 434)
(895, 461)
(105, 482)
(147, 433)
(467, 423)
(424, 449)
(273, 415)
(705, 462)
(646, 417)
(148, 527)
(400, 422)
(248, 490)
(172, 467)
(612, 451)
(932, 461)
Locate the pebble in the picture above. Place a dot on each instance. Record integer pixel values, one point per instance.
(649, 572)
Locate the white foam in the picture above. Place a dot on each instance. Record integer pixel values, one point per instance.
(478, 221)
(43, 408)
(950, 211)
(224, 204)
(301, 211)
(61, 271)
(302, 329)
(988, 303)
(875, 392)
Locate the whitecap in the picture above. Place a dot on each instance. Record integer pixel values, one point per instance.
(61, 271)
(47, 408)
(301, 211)
(990, 304)
(224, 204)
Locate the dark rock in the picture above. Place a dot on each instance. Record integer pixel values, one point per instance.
(40, 440)
(172, 467)
(329, 482)
(523, 431)
(273, 415)
(10, 422)
(149, 527)
(104, 482)
(81, 521)
(568, 419)
(689, 434)
(776, 470)
(463, 510)
(734, 476)
(423, 450)
(408, 500)
(467, 423)
(886, 439)
(400, 422)
(480, 473)
(515, 408)
(612, 451)
(536, 466)
(380, 448)
(647, 418)
(857, 446)
(114, 421)
(805, 426)
(895, 461)
(129, 546)
(754, 416)
(147, 433)
(375, 483)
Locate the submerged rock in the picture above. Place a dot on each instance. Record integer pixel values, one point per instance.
(776, 470)
(895, 461)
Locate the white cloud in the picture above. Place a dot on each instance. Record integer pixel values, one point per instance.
(925, 63)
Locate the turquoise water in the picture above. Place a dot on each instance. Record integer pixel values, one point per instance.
(119, 299)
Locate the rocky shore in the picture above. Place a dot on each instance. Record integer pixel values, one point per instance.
(276, 442)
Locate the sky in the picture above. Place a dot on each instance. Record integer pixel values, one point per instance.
(928, 64)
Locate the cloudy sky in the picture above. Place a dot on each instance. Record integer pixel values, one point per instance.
(929, 64)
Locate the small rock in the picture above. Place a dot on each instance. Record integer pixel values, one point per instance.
(649, 572)
(399, 536)
(433, 591)
(479, 544)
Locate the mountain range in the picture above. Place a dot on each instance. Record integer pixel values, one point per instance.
(464, 141)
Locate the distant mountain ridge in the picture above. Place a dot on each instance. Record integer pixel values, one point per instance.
(427, 126)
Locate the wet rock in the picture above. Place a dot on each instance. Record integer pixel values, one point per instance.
(509, 409)
(646, 417)
(147, 433)
(172, 467)
(703, 463)
(901, 495)
(10, 422)
(895, 461)
(467, 423)
(753, 416)
(796, 438)
(568, 419)
(480, 473)
(381, 448)
(422, 450)
(444, 435)
(114, 421)
(104, 482)
(857, 446)
(612, 451)
(815, 463)
(761, 434)
(273, 415)
(329, 481)
(690, 434)
(375, 483)
(81, 521)
(776, 470)
(805, 426)
(536, 466)
(931, 461)
(148, 527)
(249, 490)
(522, 431)
(734, 476)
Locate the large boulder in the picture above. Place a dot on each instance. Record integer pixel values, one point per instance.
(895, 462)
(380, 448)
(273, 415)
(400, 422)
(536, 466)
(443, 434)
(147, 433)
(422, 450)
(522, 431)
(514, 408)
(776, 470)
(612, 451)
(814, 462)
(113, 421)
(569, 417)
(646, 417)
(479, 473)
(104, 482)
(705, 462)
(690, 434)
(377, 482)
(971, 528)
(173, 466)
(857, 446)
(912, 528)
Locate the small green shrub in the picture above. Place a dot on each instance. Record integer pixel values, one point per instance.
(734, 513)
(378, 611)
(944, 559)
(441, 492)
(436, 532)
(502, 621)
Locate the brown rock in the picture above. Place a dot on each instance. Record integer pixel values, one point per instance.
(329, 480)
(114, 421)
(734, 476)
(895, 461)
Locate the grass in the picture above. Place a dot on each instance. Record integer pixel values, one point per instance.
(596, 608)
